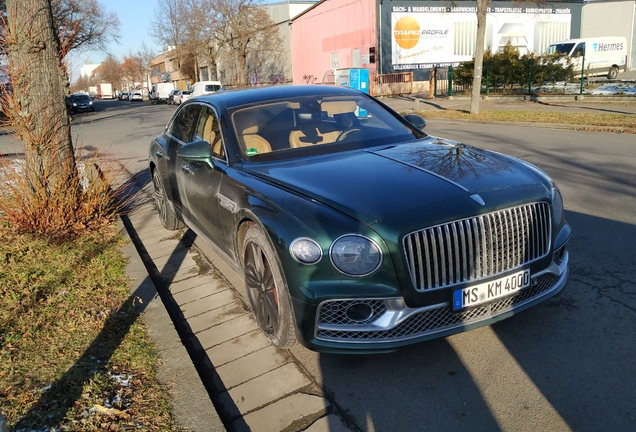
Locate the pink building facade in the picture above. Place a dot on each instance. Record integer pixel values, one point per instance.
(327, 38)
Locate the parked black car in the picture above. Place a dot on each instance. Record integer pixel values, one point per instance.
(79, 103)
(354, 230)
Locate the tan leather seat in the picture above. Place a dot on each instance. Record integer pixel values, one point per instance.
(247, 126)
(211, 137)
(312, 133)
(254, 141)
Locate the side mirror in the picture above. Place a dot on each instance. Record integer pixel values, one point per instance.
(416, 121)
(198, 151)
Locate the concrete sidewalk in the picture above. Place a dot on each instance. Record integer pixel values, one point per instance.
(231, 367)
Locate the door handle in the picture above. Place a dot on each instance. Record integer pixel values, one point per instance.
(185, 169)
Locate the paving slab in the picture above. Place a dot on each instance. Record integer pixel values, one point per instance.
(167, 248)
(184, 285)
(176, 264)
(330, 423)
(217, 316)
(199, 292)
(266, 388)
(208, 303)
(226, 331)
(236, 348)
(298, 409)
(181, 274)
(251, 366)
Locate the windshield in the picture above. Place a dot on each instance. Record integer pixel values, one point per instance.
(315, 124)
(80, 97)
(564, 48)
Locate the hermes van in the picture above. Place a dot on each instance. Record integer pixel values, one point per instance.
(603, 55)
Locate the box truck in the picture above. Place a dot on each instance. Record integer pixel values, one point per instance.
(160, 91)
(105, 91)
(597, 55)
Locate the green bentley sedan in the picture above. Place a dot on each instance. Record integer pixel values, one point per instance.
(353, 229)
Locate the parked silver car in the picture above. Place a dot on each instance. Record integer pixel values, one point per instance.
(182, 96)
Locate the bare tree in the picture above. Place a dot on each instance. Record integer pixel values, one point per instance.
(40, 83)
(82, 24)
(167, 25)
(85, 24)
(110, 71)
(145, 55)
(245, 31)
(132, 69)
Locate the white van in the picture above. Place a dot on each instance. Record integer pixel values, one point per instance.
(160, 92)
(602, 55)
(205, 87)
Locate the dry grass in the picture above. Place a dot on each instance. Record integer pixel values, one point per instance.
(73, 353)
(621, 123)
(61, 210)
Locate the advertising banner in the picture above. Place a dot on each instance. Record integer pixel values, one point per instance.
(427, 36)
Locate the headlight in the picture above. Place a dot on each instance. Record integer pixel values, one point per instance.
(90, 103)
(74, 104)
(557, 205)
(355, 255)
(305, 251)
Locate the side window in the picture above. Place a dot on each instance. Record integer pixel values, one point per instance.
(183, 125)
(208, 129)
(579, 50)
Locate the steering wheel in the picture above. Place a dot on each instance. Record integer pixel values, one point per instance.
(345, 133)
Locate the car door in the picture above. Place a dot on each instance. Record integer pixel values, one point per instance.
(181, 132)
(202, 181)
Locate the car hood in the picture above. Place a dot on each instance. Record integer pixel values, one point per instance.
(374, 184)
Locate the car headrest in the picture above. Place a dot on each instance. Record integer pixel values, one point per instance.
(338, 107)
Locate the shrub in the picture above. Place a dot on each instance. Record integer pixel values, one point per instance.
(506, 70)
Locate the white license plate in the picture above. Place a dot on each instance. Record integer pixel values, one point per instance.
(489, 291)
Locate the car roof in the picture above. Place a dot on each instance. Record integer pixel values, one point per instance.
(231, 98)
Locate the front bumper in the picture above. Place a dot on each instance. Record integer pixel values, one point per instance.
(387, 323)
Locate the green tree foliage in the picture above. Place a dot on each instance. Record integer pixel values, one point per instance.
(507, 70)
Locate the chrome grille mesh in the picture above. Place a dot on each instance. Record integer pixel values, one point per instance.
(442, 318)
(478, 247)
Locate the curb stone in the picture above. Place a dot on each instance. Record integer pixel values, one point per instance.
(190, 402)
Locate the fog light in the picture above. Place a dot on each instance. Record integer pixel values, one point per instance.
(359, 312)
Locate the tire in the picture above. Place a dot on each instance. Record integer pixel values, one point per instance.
(613, 73)
(267, 290)
(166, 211)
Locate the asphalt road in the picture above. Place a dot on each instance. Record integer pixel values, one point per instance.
(568, 364)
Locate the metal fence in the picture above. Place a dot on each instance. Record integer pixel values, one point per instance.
(443, 84)
(391, 84)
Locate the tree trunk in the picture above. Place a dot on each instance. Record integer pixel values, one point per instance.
(40, 85)
(482, 9)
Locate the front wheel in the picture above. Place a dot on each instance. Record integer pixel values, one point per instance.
(166, 211)
(267, 290)
(613, 73)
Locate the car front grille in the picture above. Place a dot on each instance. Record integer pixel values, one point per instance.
(428, 320)
(479, 247)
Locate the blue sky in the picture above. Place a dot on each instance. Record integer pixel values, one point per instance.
(134, 18)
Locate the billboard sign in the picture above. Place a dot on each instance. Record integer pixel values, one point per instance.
(427, 36)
